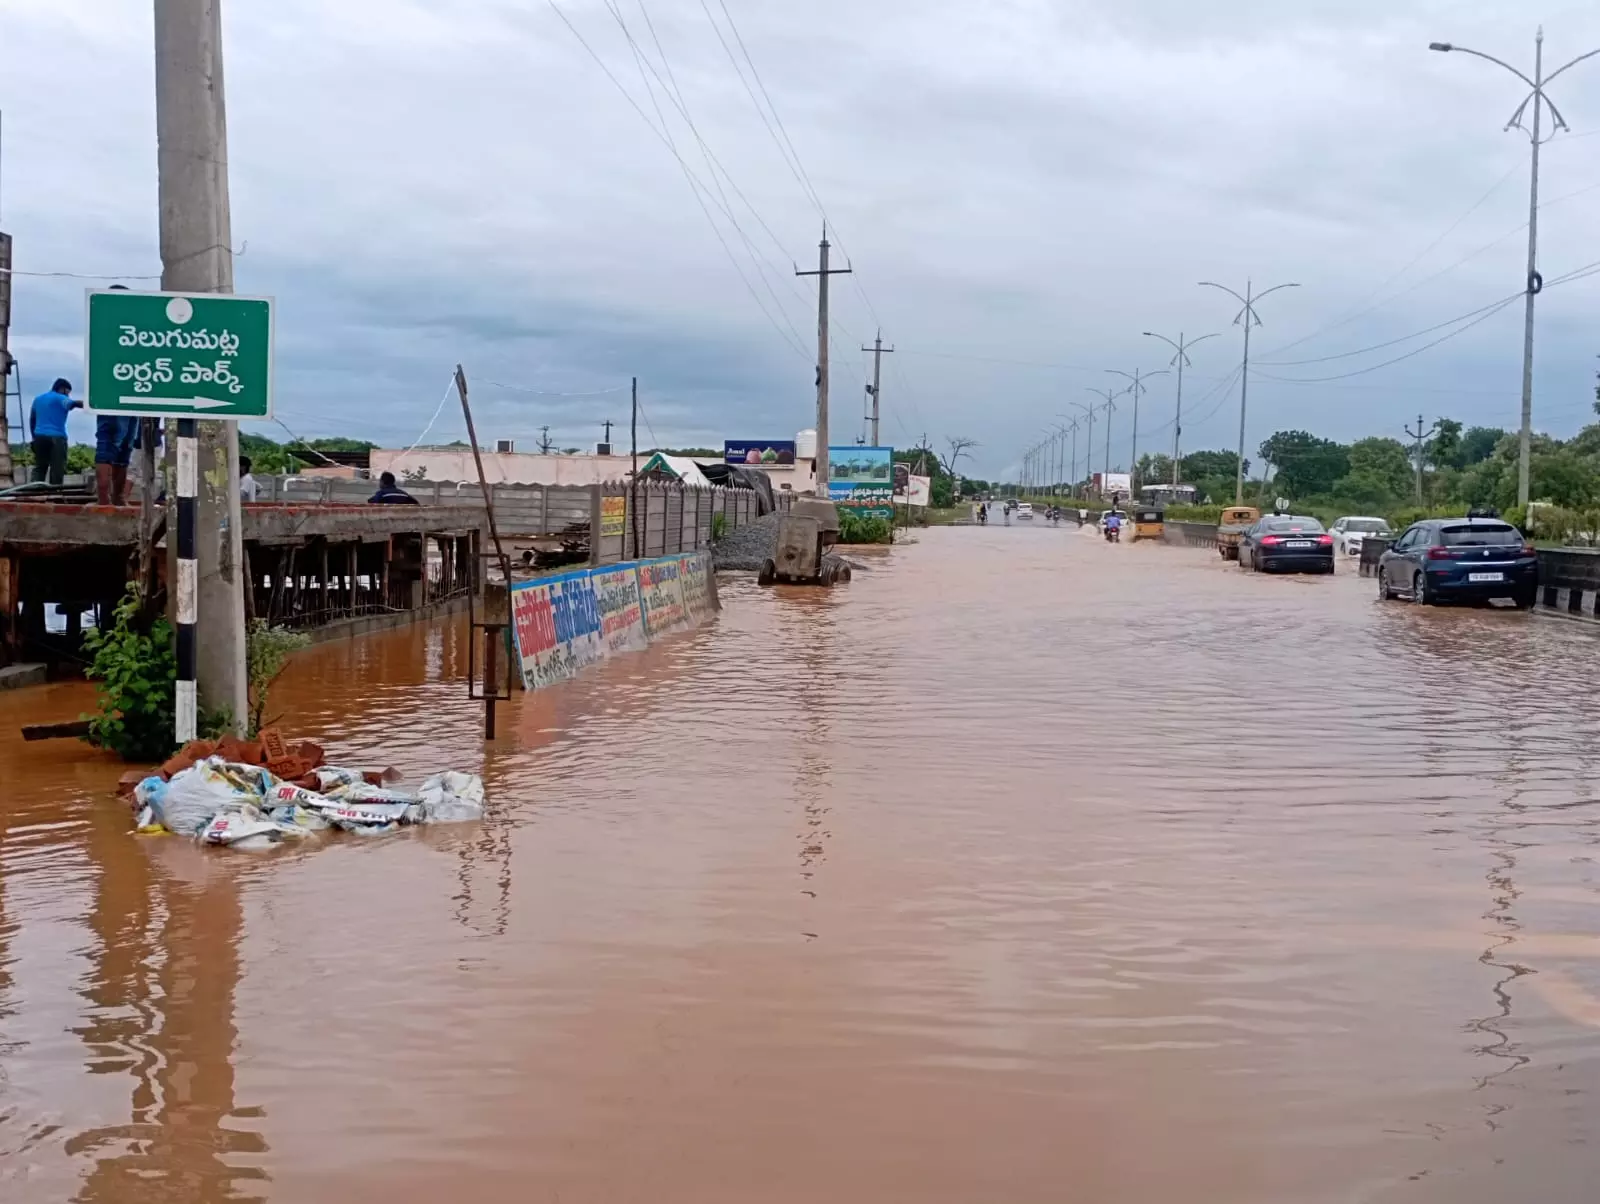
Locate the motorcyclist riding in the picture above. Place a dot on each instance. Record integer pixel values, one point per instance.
(1113, 524)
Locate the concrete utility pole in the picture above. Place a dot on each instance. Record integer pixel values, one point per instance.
(1179, 361)
(1533, 282)
(545, 442)
(1419, 435)
(5, 364)
(1136, 388)
(1248, 316)
(197, 257)
(822, 273)
(878, 350)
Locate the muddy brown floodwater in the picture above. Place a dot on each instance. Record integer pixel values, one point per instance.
(1023, 868)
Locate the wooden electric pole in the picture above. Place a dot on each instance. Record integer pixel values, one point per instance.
(822, 273)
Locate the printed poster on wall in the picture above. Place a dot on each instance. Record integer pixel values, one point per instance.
(558, 627)
(661, 590)
(693, 571)
(613, 516)
(616, 596)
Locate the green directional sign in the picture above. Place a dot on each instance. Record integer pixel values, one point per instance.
(203, 355)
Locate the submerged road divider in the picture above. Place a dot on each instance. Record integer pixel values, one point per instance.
(567, 622)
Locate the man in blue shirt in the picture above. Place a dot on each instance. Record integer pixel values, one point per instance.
(48, 423)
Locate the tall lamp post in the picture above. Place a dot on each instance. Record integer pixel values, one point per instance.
(1533, 282)
(1088, 444)
(1110, 407)
(1248, 316)
(1137, 377)
(1179, 361)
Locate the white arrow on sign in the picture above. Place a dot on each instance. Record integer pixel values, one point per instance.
(187, 403)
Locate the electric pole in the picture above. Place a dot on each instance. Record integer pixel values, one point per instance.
(197, 257)
(1111, 396)
(1533, 282)
(1248, 316)
(1136, 388)
(608, 424)
(822, 273)
(875, 391)
(1179, 361)
(545, 442)
(1419, 435)
(5, 364)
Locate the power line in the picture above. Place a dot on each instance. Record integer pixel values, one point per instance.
(1408, 355)
(1390, 342)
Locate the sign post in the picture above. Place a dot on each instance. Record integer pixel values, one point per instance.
(174, 355)
(183, 356)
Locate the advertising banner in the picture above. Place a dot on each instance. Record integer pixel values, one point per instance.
(917, 492)
(758, 452)
(661, 591)
(694, 571)
(557, 626)
(616, 597)
(613, 516)
(861, 479)
(1108, 483)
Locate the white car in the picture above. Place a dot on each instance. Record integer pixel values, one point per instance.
(1024, 509)
(1349, 532)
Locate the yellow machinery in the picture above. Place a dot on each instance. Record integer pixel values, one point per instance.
(1231, 528)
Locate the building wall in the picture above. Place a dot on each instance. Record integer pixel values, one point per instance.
(453, 464)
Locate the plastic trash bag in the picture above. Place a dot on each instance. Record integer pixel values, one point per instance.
(364, 814)
(365, 793)
(242, 825)
(331, 777)
(450, 797)
(195, 795)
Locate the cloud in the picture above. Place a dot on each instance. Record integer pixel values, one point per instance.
(1015, 184)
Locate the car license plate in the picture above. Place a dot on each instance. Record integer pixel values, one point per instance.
(1486, 576)
(1299, 543)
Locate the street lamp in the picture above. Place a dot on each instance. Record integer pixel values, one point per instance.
(1136, 388)
(1534, 282)
(1088, 444)
(1111, 396)
(1179, 361)
(1248, 315)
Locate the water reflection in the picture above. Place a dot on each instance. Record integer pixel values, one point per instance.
(1022, 865)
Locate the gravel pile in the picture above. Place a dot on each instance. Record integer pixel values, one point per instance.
(744, 550)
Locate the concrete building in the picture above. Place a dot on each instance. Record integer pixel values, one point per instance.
(452, 464)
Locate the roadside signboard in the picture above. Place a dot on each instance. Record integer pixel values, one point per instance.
(758, 453)
(184, 355)
(861, 479)
(613, 516)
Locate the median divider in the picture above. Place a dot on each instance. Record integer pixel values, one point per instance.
(565, 623)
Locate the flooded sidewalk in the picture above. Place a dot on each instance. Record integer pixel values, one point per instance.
(1023, 868)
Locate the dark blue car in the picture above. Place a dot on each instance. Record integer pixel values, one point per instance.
(1460, 559)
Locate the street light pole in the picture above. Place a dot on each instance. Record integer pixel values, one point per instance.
(1137, 388)
(1088, 442)
(1179, 361)
(1249, 318)
(1533, 282)
(1111, 396)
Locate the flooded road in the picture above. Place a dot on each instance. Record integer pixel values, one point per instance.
(1023, 868)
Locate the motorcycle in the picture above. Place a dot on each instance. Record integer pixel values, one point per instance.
(1114, 534)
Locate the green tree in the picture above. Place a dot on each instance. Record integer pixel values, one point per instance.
(1478, 444)
(1380, 473)
(1306, 465)
(1444, 450)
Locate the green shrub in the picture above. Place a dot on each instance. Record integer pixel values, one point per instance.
(136, 671)
(266, 652)
(719, 526)
(856, 528)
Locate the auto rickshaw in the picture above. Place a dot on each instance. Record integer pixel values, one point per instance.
(1231, 527)
(1148, 523)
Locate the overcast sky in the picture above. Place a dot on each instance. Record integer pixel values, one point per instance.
(1022, 187)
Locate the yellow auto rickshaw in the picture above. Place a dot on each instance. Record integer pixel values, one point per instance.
(1148, 523)
(1231, 527)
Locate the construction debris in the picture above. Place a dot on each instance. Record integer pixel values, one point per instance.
(256, 794)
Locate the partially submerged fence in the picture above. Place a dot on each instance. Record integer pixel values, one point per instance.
(651, 518)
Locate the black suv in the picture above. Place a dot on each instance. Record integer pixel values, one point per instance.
(1467, 559)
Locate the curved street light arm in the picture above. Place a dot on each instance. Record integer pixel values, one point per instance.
(1573, 63)
(1224, 288)
(1499, 62)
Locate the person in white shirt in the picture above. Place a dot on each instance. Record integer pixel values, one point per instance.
(247, 483)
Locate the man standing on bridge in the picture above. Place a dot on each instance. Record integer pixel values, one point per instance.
(48, 425)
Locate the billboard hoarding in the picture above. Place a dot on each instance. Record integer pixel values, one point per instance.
(861, 479)
(754, 453)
